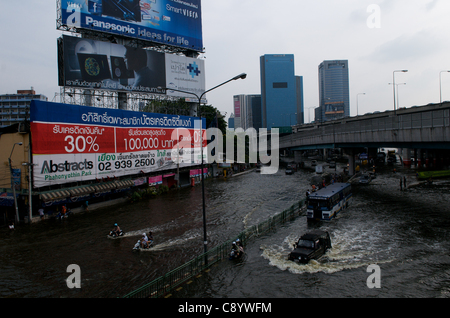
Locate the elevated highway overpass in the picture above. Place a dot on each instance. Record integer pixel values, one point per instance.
(422, 129)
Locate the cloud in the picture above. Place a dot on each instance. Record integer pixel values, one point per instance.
(406, 47)
(431, 5)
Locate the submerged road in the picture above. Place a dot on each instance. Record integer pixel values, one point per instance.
(404, 232)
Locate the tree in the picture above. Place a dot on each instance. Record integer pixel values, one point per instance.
(170, 107)
(213, 118)
(183, 108)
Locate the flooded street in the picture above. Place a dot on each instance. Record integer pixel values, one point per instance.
(406, 233)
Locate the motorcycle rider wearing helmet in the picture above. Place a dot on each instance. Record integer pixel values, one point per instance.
(235, 249)
(116, 230)
(239, 245)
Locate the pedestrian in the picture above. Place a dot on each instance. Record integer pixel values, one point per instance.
(41, 213)
(404, 182)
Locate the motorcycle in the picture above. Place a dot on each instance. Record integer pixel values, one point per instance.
(115, 235)
(138, 247)
(236, 254)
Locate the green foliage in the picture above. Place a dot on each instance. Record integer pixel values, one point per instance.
(148, 193)
(182, 108)
(163, 189)
(213, 118)
(178, 107)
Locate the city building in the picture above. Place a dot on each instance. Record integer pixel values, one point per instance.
(334, 95)
(255, 106)
(281, 91)
(300, 101)
(231, 122)
(15, 108)
(247, 111)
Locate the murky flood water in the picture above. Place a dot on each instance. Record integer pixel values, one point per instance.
(406, 233)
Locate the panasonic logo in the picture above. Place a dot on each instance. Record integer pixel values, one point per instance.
(109, 26)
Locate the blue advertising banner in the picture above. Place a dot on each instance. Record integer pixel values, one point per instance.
(16, 176)
(7, 199)
(170, 22)
(41, 111)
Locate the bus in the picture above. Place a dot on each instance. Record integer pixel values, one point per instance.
(326, 203)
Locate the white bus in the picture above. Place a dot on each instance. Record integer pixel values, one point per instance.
(326, 203)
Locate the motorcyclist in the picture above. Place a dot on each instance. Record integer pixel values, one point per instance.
(144, 241)
(235, 250)
(150, 238)
(116, 231)
(240, 246)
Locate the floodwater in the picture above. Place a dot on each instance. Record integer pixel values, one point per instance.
(405, 233)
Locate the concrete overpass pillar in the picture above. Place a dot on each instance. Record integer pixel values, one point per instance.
(297, 156)
(351, 166)
(415, 158)
(406, 154)
(419, 158)
(350, 154)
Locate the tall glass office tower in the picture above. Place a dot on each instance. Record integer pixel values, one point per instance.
(281, 91)
(333, 90)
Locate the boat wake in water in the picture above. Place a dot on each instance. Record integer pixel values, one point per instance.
(186, 237)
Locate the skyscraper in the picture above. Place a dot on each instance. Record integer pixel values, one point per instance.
(333, 90)
(247, 111)
(281, 91)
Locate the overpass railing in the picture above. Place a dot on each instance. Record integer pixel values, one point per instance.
(416, 124)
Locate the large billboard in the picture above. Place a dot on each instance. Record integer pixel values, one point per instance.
(78, 143)
(171, 22)
(91, 64)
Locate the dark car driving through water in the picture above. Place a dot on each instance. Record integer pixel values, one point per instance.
(311, 246)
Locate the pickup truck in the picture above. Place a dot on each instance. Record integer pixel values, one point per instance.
(310, 246)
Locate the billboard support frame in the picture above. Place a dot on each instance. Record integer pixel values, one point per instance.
(136, 43)
(108, 99)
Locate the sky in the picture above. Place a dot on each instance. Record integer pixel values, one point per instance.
(377, 37)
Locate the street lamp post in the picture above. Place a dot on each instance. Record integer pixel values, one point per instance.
(12, 181)
(240, 76)
(396, 86)
(440, 82)
(393, 76)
